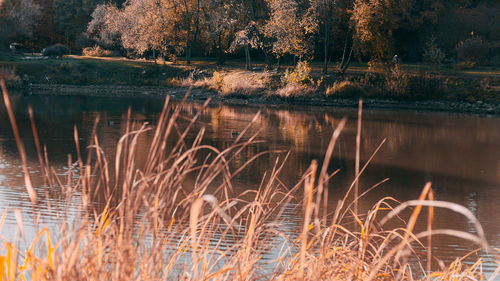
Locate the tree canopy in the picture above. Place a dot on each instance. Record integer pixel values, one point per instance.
(327, 30)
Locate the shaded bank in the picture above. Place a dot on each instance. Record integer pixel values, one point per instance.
(198, 94)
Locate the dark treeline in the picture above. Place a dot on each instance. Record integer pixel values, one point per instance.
(333, 31)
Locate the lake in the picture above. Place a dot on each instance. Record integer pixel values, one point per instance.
(458, 153)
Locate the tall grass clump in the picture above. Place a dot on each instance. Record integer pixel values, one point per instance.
(175, 216)
(345, 89)
(96, 51)
(240, 82)
(229, 82)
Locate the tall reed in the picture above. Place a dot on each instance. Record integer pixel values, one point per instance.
(177, 217)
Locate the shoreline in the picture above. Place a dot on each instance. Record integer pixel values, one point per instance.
(200, 95)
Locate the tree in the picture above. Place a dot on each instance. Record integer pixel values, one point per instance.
(325, 13)
(375, 21)
(220, 18)
(249, 37)
(71, 17)
(249, 31)
(18, 18)
(104, 26)
(291, 24)
(157, 25)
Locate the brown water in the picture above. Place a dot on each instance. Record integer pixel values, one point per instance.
(459, 154)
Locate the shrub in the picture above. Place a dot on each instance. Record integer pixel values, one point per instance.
(56, 50)
(473, 49)
(397, 83)
(300, 75)
(400, 84)
(218, 80)
(96, 51)
(345, 89)
(432, 53)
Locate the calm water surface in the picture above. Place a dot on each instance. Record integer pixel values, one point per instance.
(459, 154)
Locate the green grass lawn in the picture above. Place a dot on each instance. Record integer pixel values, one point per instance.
(92, 71)
(355, 68)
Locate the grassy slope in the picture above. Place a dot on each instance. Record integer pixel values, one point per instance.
(92, 71)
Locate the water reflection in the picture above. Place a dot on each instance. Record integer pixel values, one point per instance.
(458, 153)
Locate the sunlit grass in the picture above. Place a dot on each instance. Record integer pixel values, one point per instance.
(176, 217)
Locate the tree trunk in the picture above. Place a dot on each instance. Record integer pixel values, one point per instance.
(219, 54)
(326, 40)
(247, 57)
(347, 63)
(154, 55)
(267, 59)
(188, 42)
(188, 54)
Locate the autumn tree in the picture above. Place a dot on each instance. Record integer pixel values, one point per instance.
(220, 20)
(248, 38)
(375, 21)
(291, 24)
(105, 25)
(250, 31)
(139, 26)
(325, 13)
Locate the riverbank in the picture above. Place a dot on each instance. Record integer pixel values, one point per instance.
(199, 94)
(408, 87)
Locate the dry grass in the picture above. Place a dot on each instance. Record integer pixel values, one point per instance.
(96, 51)
(345, 89)
(175, 217)
(231, 82)
(295, 90)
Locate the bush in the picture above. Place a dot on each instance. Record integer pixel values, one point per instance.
(473, 49)
(218, 80)
(300, 75)
(400, 84)
(57, 50)
(432, 53)
(96, 51)
(397, 83)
